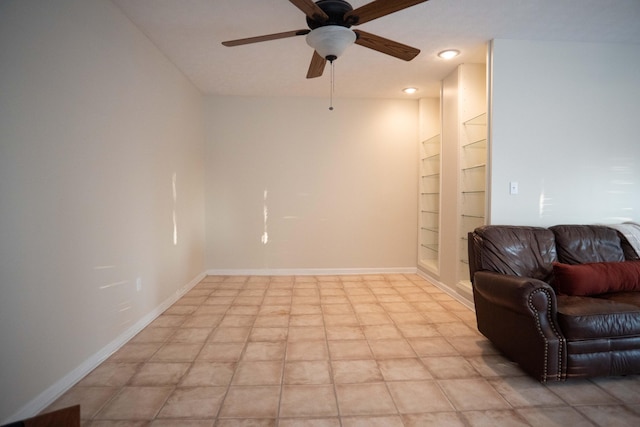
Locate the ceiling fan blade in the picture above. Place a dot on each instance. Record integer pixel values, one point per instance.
(267, 37)
(377, 9)
(398, 50)
(316, 68)
(311, 9)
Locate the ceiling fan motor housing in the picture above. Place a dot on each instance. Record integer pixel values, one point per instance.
(336, 10)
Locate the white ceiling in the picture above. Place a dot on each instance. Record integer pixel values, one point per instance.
(190, 33)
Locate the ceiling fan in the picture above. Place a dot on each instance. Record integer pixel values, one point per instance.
(329, 32)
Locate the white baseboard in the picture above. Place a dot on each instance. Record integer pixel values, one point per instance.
(466, 300)
(311, 271)
(48, 396)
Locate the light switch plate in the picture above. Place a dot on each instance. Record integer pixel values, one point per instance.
(513, 187)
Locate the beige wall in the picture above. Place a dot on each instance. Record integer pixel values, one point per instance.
(565, 127)
(340, 187)
(94, 125)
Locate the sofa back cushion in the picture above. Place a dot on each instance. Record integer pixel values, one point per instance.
(515, 250)
(580, 244)
(629, 233)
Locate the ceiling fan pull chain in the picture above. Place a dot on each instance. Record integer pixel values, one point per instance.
(332, 86)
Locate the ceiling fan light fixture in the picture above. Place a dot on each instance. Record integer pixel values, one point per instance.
(330, 41)
(449, 53)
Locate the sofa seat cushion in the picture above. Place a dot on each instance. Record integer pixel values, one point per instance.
(586, 318)
(632, 297)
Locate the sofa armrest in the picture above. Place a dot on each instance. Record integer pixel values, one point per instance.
(514, 292)
(518, 315)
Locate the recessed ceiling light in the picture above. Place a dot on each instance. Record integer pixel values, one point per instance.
(410, 90)
(448, 54)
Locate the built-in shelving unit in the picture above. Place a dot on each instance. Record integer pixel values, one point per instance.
(453, 172)
(430, 203)
(473, 178)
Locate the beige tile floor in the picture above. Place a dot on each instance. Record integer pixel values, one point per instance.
(384, 350)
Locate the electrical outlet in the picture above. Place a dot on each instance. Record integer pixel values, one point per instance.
(139, 284)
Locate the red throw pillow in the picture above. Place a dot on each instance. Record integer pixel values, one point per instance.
(596, 278)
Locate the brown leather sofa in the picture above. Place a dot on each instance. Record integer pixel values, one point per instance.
(558, 329)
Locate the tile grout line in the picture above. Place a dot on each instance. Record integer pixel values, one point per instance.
(236, 363)
(330, 360)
